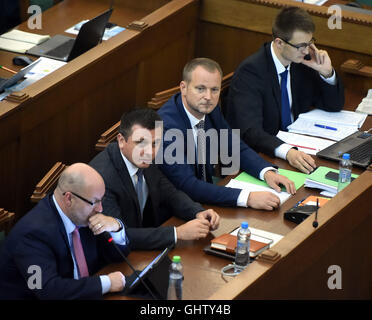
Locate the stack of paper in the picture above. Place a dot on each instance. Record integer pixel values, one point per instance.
(331, 125)
(309, 145)
(318, 180)
(109, 32)
(20, 41)
(366, 105)
(246, 181)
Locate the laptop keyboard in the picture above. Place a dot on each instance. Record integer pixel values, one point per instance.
(63, 50)
(362, 153)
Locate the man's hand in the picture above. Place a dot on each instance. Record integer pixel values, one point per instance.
(274, 181)
(117, 281)
(100, 223)
(193, 230)
(320, 61)
(211, 216)
(301, 161)
(263, 200)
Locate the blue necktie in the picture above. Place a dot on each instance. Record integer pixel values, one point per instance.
(139, 190)
(286, 110)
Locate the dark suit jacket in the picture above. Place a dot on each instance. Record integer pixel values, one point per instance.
(121, 201)
(40, 239)
(254, 99)
(185, 175)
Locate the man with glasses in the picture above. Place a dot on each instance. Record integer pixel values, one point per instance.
(56, 249)
(286, 77)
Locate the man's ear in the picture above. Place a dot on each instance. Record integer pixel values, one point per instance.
(183, 86)
(121, 140)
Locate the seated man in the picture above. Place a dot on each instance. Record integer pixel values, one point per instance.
(54, 251)
(193, 112)
(139, 194)
(273, 86)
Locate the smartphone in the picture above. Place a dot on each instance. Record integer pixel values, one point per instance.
(333, 176)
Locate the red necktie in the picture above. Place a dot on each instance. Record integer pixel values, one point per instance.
(79, 254)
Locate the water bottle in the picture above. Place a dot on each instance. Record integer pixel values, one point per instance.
(344, 176)
(175, 279)
(242, 248)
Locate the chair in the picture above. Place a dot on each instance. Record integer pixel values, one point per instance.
(6, 220)
(156, 103)
(48, 182)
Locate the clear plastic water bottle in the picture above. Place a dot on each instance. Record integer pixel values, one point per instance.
(175, 279)
(242, 248)
(344, 176)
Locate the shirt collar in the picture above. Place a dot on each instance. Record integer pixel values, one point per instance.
(193, 120)
(278, 65)
(132, 169)
(68, 224)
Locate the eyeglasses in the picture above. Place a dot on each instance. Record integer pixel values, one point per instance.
(300, 46)
(85, 200)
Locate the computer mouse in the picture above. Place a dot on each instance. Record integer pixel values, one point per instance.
(354, 4)
(22, 61)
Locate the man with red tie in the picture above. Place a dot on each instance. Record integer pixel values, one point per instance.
(54, 251)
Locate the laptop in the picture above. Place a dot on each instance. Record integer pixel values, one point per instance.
(65, 48)
(6, 83)
(358, 144)
(156, 277)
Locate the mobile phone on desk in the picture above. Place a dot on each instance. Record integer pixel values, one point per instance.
(333, 176)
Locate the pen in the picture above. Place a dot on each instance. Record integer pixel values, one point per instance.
(296, 145)
(9, 70)
(325, 127)
(299, 202)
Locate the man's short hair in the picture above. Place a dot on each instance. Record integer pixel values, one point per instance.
(145, 117)
(208, 64)
(291, 19)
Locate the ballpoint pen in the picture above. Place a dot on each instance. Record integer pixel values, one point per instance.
(325, 127)
(298, 146)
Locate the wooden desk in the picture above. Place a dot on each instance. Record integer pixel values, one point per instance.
(342, 238)
(68, 109)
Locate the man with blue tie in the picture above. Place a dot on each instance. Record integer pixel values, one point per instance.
(286, 77)
(193, 114)
(56, 249)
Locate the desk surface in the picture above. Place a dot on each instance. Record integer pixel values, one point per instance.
(202, 271)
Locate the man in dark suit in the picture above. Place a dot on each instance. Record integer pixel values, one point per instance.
(194, 112)
(139, 194)
(54, 251)
(273, 86)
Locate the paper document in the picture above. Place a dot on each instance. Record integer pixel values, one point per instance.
(283, 196)
(20, 41)
(261, 235)
(109, 33)
(45, 67)
(309, 145)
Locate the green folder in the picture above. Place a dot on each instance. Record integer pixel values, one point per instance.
(297, 177)
(319, 176)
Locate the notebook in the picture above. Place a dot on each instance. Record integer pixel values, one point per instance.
(65, 48)
(358, 145)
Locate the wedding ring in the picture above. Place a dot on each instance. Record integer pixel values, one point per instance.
(99, 226)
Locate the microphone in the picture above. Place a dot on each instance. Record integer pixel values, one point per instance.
(315, 222)
(109, 239)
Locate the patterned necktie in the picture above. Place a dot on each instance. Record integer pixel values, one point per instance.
(79, 254)
(286, 110)
(139, 190)
(201, 149)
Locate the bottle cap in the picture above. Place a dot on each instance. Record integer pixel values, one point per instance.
(176, 259)
(346, 156)
(244, 225)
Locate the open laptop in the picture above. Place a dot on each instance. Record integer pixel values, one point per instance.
(358, 145)
(65, 48)
(6, 83)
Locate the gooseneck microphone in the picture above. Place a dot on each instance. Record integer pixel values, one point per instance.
(109, 239)
(315, 222)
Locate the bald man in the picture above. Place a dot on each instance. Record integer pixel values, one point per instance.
(54, 251)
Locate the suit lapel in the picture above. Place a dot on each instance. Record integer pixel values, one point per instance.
(126, 181)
